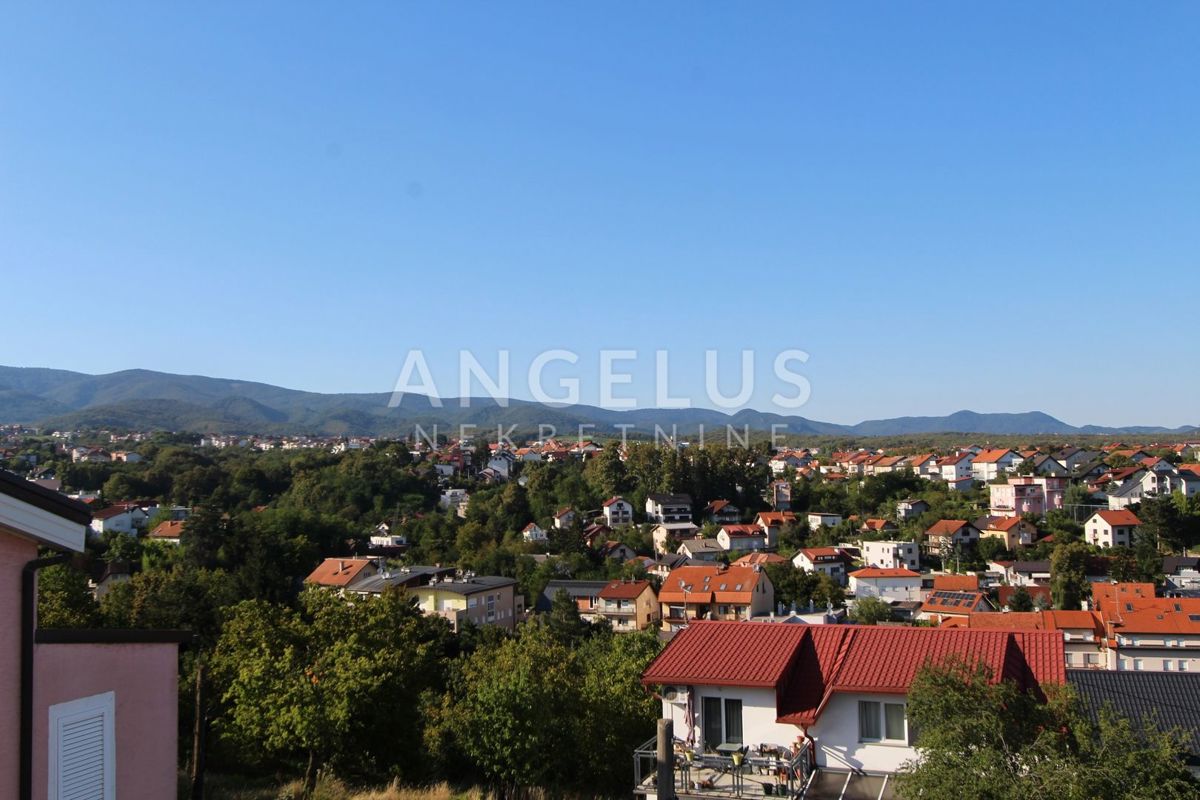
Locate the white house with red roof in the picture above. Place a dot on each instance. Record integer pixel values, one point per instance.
(617, 511)
(831, 561)
(890, 554)
(1111, 528)
(895, 584)
(839, 692)
(991, 464)
(122, 518)
(533, 533)
(955, 468)
(740, 538)
(945, 534)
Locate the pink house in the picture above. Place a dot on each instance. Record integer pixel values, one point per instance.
(86, 713)
(1027, 494)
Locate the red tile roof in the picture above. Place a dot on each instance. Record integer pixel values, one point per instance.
(884, 572)
(991, 456)
(1120, 517)
(806, 665)
(624, 590)
(750, 559)
(610, 501)
(956, 583)
(167, 529)
(338, 571)
(946, 527)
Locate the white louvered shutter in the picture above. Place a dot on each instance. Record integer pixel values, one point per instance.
(82, 755)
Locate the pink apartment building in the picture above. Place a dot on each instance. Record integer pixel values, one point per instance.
(86, 713)
(1027, 494)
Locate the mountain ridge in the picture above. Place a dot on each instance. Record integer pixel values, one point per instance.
(140, 399)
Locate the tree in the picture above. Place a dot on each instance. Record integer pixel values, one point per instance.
(870, 611)
(990, 740)
(335, 682)
(1020, 600)
(563, 620)
(64, 598)
(1069, 585)
(1161, 518)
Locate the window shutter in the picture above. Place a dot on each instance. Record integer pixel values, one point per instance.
(82, 749)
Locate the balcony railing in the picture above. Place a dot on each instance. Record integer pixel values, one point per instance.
(754, 771)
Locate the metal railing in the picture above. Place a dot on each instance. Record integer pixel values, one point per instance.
(693, 772)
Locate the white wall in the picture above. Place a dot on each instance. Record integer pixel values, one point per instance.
(758, 715)
(836, 734)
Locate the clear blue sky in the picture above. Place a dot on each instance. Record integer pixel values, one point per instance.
(948, 205)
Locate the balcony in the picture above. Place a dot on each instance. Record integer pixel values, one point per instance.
(759, 771)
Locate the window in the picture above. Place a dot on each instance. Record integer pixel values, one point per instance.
(881, 722)
(82, 757)
(722, 721)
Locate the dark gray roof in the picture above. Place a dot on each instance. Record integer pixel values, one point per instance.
(574, 590)
(402, 577)
(671, 499)
(1173, 564)
(1169, 699)
(1030, 566)
(46, 499)
(480, 583)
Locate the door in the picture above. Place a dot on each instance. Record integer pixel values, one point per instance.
(712, 721)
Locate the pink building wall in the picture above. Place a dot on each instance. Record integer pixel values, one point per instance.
(15, 553)
(143, 678)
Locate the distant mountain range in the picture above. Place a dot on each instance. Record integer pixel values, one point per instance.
(145, 400)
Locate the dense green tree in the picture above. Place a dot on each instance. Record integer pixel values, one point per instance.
(64, 598)
(990, 740)
(334, 683)
(1069, 585)
(1020, 600)
(870, 611)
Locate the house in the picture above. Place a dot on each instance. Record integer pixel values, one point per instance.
(910, 508)
(669, 508)
(1182, 573)
(772, 522)
(1013, 531)
(617, 551)
(343, 573)
(702, 549)
(991, 464)
(714, 592)
(564, 518)
(90, 710)
(629, 605)
(946, 534)
(743, 537)
(1015, 499)
(779, 495)
(838, 690)
(1028, 573)
(1111, 528)
(895, 585)
(585, 595)
(823, 519)
(121, 518)
(596, 533)
(168, 531)
(923, 465)
(830, 560)
(889, 554)
(667, 535)
(941, 605)
(877, 526)
(617, 511)
(1048, 465)
(533, 533)
(955, 469)
(472, 599)
(950, 582)
(722, 512)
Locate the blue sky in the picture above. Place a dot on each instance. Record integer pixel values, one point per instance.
(947, 205)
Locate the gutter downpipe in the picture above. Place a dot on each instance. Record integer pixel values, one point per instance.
(28, 626)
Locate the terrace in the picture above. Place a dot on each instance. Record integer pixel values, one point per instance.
(760, 771)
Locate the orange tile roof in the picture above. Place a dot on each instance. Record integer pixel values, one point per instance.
(750, 559)
(1119, 517)
(338, 571)
(624, 590)
(709, 584)
(956, 583)
(884, 572)
(946, 527)
(167, 529)
(991, 456)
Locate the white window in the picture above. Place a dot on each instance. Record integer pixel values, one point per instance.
(82, 756)
(881, 722)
